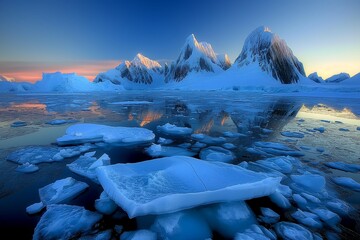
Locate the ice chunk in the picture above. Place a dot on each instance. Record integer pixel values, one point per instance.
(61, 190)
(229, 146)
(65, 222)
(105, 204)
(273, 149)
(217, 154)
(266, 131)
(139, 235)
(60, 121)
(325, 121)
(185, 145)
(18, 124)
(229, 218)
(233, 134)
(344, 130)
(208, 139)
(165, 141)
(104, 235)
(123, 136)
(86, 165)
(300, 201)
(292, 134)
(347, 167)
(255, 232)
(281, 164)
(165, 151)
(27, 168)
(327, 216)
(311, 198)
(33, 155)
(309, 181)
(198, 145)
(173, 183)
(280, 200)
(269, 216)
(320, 129)
(338, 206)
(181, 225)
(35, 208)
(307, 218)
(174, 130)
(358, 128)
(292, 231)
(347, 183)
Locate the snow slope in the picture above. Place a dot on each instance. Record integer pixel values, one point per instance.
(337, 78)
(354, 80)
(315, 77)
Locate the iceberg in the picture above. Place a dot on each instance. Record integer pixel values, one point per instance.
(170, 129)
(122, 136)
(61, 190)
(60, 121)
(75, 220)
(18, 124)
(171, 184)
(217, 154)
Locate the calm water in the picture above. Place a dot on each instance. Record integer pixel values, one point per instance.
(211, 113)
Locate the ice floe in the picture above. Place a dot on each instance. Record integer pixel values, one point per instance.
(269, 149)
(233, 134)
(105, 205)
(327, 216)
(208, 139)
(156, 150)
(174, 183)
(229, 146)
(217, 154)
(27, 168)
(60, 121)
(123, 136)
(292, 134)
(174, 130)
(347, 167)
(269, 216)
(319, 129)
(307, 218)
(293, 231)
(309, 181)
(165, 141)
(65, 222)
(86, 165)
(141, 234)
(18, 124)
(35, 208)
(281, 164)
(347, 183)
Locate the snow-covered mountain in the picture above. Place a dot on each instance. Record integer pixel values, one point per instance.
(266, 50)
(315, 77)
(137, 73)
(6, 79)
(337, 78)
(196, 57)
(354, 80)
(9, 85)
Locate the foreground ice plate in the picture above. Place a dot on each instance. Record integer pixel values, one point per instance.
(124, 136)
(170, 184)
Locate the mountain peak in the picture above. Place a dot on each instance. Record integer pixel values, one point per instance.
(140, 59)
(6, 79)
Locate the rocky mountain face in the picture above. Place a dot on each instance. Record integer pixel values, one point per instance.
(273, 56)
(196, 57)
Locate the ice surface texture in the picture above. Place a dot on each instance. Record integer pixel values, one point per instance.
(124, 136)
(174, 183)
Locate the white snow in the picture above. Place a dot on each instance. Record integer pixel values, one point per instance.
(74, 219)
(292, 231)
(156, 150)
(347, 183)
(174, 130)
(122, 136)
(61, 190)
(217, 154)
(174, 183)
(347, 167)
(269, 216)
(87, 164)
(292, 134)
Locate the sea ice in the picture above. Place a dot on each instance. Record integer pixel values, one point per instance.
(181, 225)
(233, 134)
(281, 164)
(174, 130)
(307, 218)
(141, 234)
(105, 205)
(292, 134)
(61, 190)
(104, 235)
(60, 121)
(18, 124)
(86, 165)
(165, 141)
(292, 231)
(174, 183)
(269, 216)
(273, 149)
(27, 168)
(327, 216)
(344, 129)
(229, 146)
(347, 167)
(309, 181)
(347, 183)
(279, 200)
(217, 154)
(198, 145)
(123, 136)
(229, 218)
(33, 155)
(319, 129)
(65, 222)
(208, 139)
(338, 206)
(35, 208)
(156, 150)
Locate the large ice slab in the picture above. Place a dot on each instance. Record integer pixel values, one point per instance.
(171, 184)
(65, 222)
(217, 154)
(347, 167)
(124, 136)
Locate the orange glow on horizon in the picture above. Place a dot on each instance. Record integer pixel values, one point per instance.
(29, 106)
(88, 70)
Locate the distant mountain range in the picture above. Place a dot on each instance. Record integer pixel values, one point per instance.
(265, 60)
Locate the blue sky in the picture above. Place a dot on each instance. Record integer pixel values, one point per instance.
(323, 34)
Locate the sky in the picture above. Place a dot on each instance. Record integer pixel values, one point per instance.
(88, 36)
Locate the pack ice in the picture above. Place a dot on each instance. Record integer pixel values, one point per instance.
(123, 136)
(170, 184)
(174, 130)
